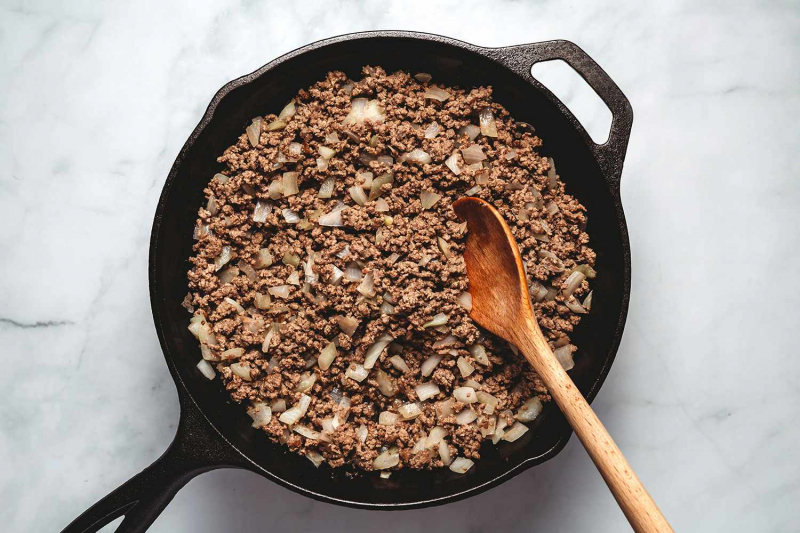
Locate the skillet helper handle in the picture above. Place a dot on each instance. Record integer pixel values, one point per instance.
(142, 498)
(611, 154)
(636, 503)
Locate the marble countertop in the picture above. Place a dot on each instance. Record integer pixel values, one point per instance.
(97, 99)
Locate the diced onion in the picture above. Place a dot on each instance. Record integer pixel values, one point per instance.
(435, 93)
(376, 187)
(489, 402)
(499, 428)
(357, 194)
(399, 364)
(486, 425)
(326, 356)
(445, 341)
(444, 453)
(445, 408)
(326, 189)
(356, 372)
(267, 340)
(551, 173)
(574, 306)
(211, 206)
(429, 364)
(291, 217)
(293, 279)
(429, 199)
(385, 383)
(564, 356)
(233, 353)
(572, 283)
(281, 291)
(387, 459)
(326, 152)
(275, 190)
(309, 433)
(461, 464)
(242, 370)
(291, 416)
(529, 410)
(315, 457)
(487, 122)
(248, 270)
(467, 416)
(465, 394)
(362, 109)
(418, 156)
(276, 125)
(290, 183)
(452, 163)
(222, 259)
(438, 320)
(374, 351)
(473, 154)
(515, 432)
(235, 305)
(426, 390)
(464, 367)
(347, 324)
(444, 246)
(221, 178)
(587, 302)
(260, 413)
(465, 300)
(206, 369)
(334, 218)
(278, 406)
(423, 77)
(254, 131)
(432, 130)
(470, 130)
(472, 383)
(288, 111)
(362, 432)
(387, 418)
(409, 411)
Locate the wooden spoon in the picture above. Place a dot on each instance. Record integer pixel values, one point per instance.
(501, 304)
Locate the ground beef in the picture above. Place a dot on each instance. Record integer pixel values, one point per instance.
(275, 277)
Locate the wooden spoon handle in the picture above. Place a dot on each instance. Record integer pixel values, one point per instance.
(639, 508)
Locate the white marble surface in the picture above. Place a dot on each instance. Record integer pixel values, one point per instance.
(97, 99)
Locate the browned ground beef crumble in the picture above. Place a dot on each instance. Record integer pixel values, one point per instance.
(405, 249)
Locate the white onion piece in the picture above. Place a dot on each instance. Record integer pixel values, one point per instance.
(363, 109)
(291, 217)
(315, 457)
(307, 380)
(387, 459)
(248, 270)
(254, 131)
(356, 372)
(336, 277)
(281, 291)
(362, 432)
(326, 152)
(221, 178)
(444, 453)
(385, 383)
(374, 351)
(233, 303)
(471, 383)
(452, 163)
(409, 411)
(551, 173)
(426, 390)
(499, 429)
(309, 433)
(291, 416)
(473, 154)
(288, 111)
(294, 278)
(511, 154)
(435, 93)
(227, 275)
(489, 402)
(278, 406)
(419, 445)
(432, 130)
(572, 283)
(487, 122)
(551, 208)
(464, 367)
(486, 425)
(417, 156)
(347, 324)
(439, 320)
(574, 306)
(529, 410)
(275, 190)
(429, 364)
(222, 259)
(267, 341)
(326, 356)
(461, 464)
(445, 341)
(376, 187)
(233, 353)
(260, 413)
(242, 370)
(326, 189)
(334, 218)
(358, 195)
(587, 303)
(211, 206)
(399, 364)
(423, 77)
(444, 246)
(330, 425)
(428, 199)
(387, 418)
(465, 300)
(465, 394)
(515, 432)
(206, 369)
(352, 272)
(435, 436)
(470, 130)
(564, 356)
(467, 416)
(322, 166)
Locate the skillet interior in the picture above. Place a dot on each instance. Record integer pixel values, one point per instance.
(267, 90)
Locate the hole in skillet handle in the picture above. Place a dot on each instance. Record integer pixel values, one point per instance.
(587, 106)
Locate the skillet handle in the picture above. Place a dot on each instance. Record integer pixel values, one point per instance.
(611, 154)
(142, 498)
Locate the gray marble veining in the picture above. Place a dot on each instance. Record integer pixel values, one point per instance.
(97, 99)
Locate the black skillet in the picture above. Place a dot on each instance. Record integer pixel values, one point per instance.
(213, 431)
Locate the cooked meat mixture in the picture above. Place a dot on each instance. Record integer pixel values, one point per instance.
(328, 287)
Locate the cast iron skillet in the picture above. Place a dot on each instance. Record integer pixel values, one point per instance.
(213, 431)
